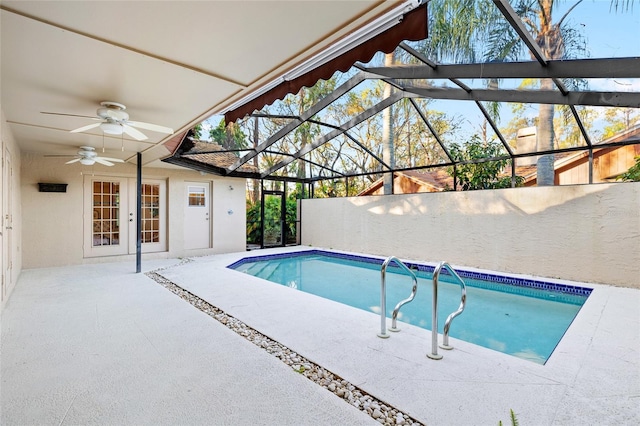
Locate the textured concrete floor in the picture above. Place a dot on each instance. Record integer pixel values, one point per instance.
(98, 344)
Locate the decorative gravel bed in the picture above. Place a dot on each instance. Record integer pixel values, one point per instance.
(378, 410)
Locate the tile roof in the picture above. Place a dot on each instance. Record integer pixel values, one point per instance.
(437, 178)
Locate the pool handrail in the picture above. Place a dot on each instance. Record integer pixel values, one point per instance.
(383, 296)
(463, 302)
(434, 310)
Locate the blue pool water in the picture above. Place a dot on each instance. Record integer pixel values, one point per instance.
(524, 318)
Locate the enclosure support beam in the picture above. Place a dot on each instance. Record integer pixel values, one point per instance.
(385, 103)
(590, 165)
(494, 127)
(516, 23)
(322, 104)
(567, 68)
(592, 98)
(367, 150)
(139, 213)
(583, 131)
(455, 177)
(432, 130)
(587, 139)
(432, 64)
(261, 213)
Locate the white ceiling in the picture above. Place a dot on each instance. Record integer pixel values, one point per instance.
(172, 63)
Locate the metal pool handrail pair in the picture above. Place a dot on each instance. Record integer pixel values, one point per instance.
(434, 310)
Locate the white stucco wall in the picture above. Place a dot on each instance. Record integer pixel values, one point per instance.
(588, 233)
(53, 231)
(229, 215)
(8, 144)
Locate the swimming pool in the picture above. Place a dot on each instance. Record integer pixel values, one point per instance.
(521, 317)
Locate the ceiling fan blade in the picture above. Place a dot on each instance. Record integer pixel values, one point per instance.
(69, 115)
(136, 134)
(72, 161)
(113, 160)
(101, 160)
(152, 127)
(85, 128)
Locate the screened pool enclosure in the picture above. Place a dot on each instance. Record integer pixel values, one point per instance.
(509, 91)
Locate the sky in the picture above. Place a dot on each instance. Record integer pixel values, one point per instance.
(609, 33)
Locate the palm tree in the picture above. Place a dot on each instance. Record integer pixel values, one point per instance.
(466, 30)
(556, 41)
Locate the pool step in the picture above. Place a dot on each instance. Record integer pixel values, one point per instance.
(263, 271)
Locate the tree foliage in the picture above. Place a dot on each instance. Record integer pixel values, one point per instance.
(619, 119)
(457, 28)
(197, 131)
(633, 174)
(474, 175)
(229, 136)
(271, 218)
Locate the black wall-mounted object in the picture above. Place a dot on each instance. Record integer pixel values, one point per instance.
(52, 187)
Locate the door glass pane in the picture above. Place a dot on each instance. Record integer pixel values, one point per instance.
(106, 213)
(272, 220)
(150, 213)
(196, 196)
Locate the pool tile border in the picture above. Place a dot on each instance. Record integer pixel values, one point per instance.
(493, 278)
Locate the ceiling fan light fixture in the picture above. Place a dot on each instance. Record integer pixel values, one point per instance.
(111, 128)
(87, 161)
(115, 121)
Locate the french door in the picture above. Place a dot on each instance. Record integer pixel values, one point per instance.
(110, 216)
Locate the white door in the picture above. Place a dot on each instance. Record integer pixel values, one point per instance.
(110, 216)
(7, 223)
(197, 213)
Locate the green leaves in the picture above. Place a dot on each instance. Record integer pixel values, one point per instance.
(474, 173)
(633, 174)
(512, 417)
(229, 136)
(272, 214)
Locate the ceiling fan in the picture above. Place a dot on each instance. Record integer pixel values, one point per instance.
(115, 121)
(88, 156)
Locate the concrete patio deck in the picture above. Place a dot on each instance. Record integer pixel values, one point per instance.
(99, 344)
